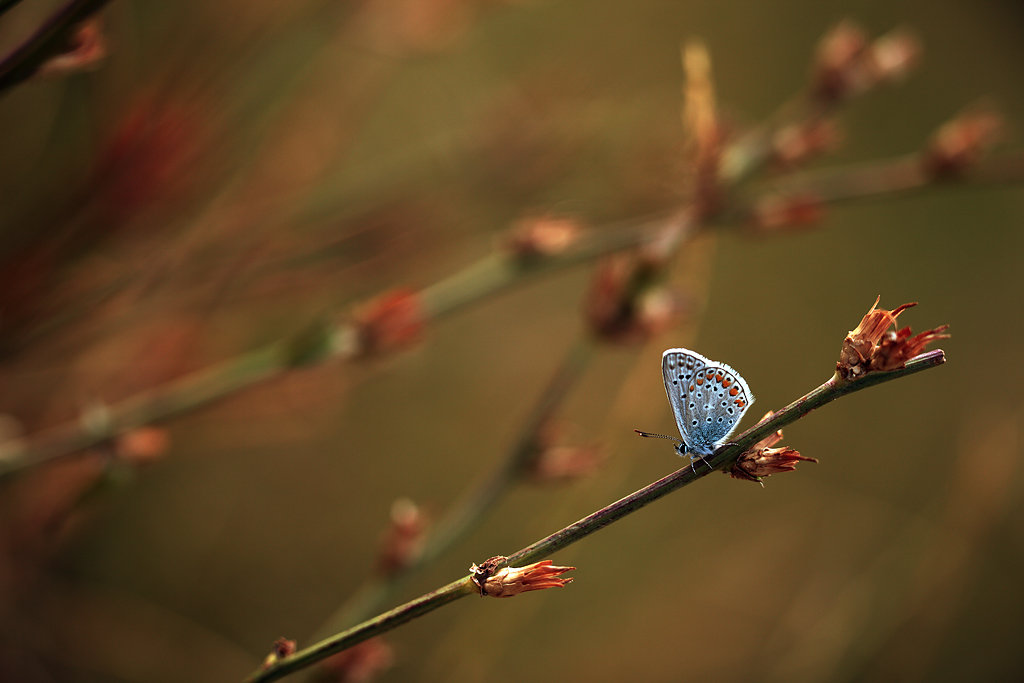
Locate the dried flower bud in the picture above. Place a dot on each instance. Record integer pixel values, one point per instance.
(360, 663)
(897, 347)
(625, 302)
(403, 541)
(958, 145)
(797, 143)
(390, 321)
(282, 648)
(142, 445)
(786, 213)
(540, 236)
(871, 347)
(758, 463)
(511, 581)
(86, 49)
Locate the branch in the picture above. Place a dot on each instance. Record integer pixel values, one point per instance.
(727, 454)
(49, 40)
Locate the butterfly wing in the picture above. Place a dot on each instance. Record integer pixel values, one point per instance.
(679, 368)
(708, 398)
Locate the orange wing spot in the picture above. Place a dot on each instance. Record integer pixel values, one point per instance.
(718, 378)
(691, 387)
(700, 380)
(727, 382)
(711, 374)
(734, 391)
(739, 402)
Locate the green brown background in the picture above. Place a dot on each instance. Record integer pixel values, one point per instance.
(305, 158)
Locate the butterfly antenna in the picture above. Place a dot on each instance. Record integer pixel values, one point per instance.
(651, 435)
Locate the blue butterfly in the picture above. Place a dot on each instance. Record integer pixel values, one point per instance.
(708, 399)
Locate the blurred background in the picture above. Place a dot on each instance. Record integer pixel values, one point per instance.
(230, 172)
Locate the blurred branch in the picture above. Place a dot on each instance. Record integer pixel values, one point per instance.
(896, 176)
(490, 275)
(50, 39)
(471, 508)
(7, 4)
(829, 391)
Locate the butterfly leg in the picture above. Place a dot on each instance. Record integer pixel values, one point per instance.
(693, 462)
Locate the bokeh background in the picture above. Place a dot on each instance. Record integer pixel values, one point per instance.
(233, 170)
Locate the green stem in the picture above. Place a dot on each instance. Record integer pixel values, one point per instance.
(189, 392)
(827, 392)
(47, 41)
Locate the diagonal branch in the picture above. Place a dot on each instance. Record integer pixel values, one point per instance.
(829, 391)
(47, 41)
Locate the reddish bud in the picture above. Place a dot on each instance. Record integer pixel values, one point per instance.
(838, 68)
(959, 144)
(797, 143)
(360, 663)
(282, 648)
(86, 49)
(536, 237)
(403, 541)
(389, 322)
(786, 213)
(893, 56)
(142, 445)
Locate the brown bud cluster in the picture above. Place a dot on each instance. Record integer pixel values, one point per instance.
(872, 346)
(508, 582)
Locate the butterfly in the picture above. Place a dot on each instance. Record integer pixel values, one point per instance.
(708, 400)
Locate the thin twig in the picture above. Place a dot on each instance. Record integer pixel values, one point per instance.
(7, 4)
(49, 40)
(829, 391)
